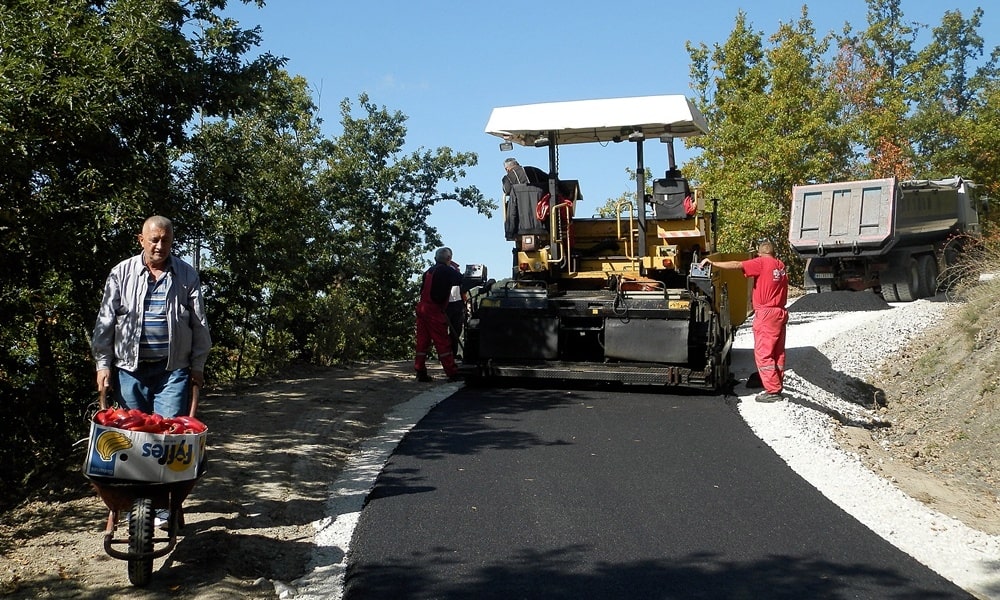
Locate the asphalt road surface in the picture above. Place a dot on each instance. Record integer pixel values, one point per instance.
(584, 493)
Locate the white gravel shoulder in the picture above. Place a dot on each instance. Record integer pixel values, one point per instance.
(828, 346)
(325, 577)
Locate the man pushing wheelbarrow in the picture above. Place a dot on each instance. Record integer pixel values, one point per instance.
(151, 340)
(150, 344)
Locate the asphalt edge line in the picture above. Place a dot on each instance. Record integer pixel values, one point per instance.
(324, 579)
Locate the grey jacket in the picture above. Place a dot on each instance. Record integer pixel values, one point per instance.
(119, 321)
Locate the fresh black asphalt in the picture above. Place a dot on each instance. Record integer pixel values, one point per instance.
(590, 493)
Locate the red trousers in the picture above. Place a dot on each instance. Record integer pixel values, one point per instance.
(432, 326)
(769, 347)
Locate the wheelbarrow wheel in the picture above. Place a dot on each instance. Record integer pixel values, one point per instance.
(140, 541)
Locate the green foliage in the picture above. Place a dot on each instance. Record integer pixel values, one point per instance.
(918, 112)
(796, 108)
(328, 341)
(261, 221)
(111, 111)
(978, 153)
(313, 245)
(876, 98)
(92, 97)
(773, 122)
(379, 200)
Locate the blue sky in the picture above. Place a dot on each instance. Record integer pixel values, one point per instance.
(447, 63)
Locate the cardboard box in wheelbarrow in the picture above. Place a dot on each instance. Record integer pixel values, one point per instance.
(142, 456)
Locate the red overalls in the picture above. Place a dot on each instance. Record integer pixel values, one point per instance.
(770, 294)
(432, 324)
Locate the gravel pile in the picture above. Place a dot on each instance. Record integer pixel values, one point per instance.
(839, 301)
(861, 350)
(829, 354)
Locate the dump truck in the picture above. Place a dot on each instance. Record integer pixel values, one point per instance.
(893, 237)
(618, 298)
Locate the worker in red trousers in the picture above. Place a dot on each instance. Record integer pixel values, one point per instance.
(432, 318)
(770, 294)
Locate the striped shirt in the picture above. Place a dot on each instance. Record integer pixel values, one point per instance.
(154, 343)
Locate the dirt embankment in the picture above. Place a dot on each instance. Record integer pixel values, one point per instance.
(942, 399)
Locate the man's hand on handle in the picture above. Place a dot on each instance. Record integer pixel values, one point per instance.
(103, 380)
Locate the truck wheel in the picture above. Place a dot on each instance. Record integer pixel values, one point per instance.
(929, 275)
(908, 286)
(887, 284)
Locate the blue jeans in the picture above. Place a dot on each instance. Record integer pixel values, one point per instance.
(153, 389)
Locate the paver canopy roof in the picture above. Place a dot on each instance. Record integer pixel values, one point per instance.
(602, 120)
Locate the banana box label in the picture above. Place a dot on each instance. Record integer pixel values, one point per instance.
(141, 456)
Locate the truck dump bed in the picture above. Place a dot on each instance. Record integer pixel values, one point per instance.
(871, 217)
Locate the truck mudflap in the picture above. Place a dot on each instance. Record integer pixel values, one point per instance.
(624, 373)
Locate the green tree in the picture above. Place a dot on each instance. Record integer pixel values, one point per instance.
(791, 111)
(379, 201)
(773, 124)
(807, 144)
(253, 177)
(949, 95)
(730, 81)
(919, 112)
(977, 154)
(93, 97)
(872, 69)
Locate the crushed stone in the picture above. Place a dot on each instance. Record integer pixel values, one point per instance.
(829, 355)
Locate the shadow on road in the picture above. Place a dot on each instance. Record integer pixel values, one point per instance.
(558, 574)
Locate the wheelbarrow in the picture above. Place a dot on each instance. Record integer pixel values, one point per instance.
(141, 500)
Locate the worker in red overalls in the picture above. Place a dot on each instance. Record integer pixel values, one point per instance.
(432, 319)
(770, 294)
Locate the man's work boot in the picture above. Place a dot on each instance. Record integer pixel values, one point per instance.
(768, 397)
(423, 376)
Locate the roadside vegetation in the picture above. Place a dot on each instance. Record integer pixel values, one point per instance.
(975, 328)
(111, 111)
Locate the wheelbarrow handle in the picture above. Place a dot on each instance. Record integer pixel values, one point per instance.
(102, 399)
(195, 392)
